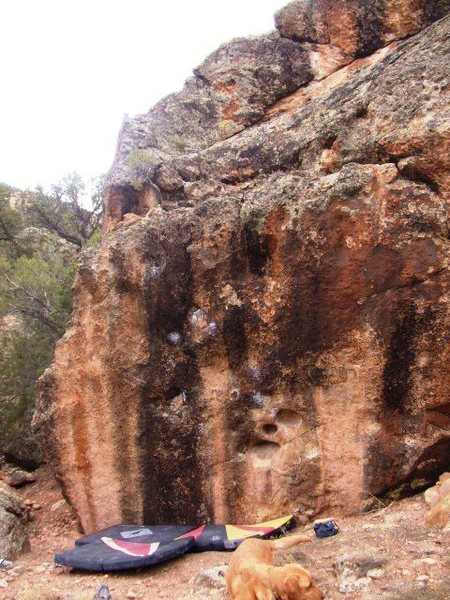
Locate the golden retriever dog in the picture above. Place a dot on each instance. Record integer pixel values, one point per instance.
(251, 574)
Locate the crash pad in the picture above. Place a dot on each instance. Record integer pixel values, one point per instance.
(109, 554)
(133, 546)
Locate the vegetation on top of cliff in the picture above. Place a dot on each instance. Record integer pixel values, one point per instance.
(63, 212)
(40, 237)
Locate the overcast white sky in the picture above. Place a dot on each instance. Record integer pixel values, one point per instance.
(70, 69)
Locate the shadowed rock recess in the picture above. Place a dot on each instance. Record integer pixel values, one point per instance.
(265, 326)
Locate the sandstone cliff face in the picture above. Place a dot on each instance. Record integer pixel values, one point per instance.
(264, 328)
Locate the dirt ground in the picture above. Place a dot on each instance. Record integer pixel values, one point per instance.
(387, 554)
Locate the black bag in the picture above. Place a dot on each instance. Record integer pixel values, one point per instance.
(325, 529)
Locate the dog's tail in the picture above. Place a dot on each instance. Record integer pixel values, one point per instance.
(288, 542)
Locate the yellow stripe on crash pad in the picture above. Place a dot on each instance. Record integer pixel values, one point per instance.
(239, 532)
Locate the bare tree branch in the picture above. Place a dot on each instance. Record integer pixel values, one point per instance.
(35, 314)
(53, 226)
(29, 294)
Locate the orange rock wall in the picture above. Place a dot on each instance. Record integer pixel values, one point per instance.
(264, 328)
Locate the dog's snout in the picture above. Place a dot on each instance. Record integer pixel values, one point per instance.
(315, 594)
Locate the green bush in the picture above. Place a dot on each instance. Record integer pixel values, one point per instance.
(179, 144)
(40, 238)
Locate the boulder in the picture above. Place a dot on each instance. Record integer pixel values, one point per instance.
(438, 497)
(18, 478)
(13, 523)
(267, 333)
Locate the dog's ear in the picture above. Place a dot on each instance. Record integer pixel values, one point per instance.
(294, 582)
(290, 586)
(303, 578)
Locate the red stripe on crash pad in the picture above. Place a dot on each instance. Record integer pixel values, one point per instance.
(131, 548)
(195, 533)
